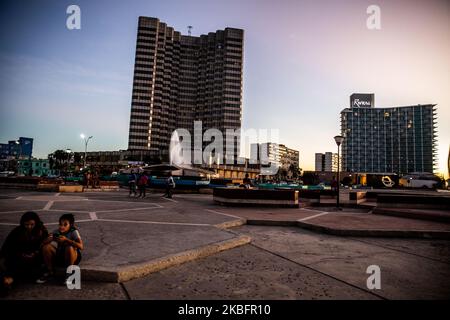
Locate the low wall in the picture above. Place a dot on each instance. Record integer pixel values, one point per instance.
(19, 182)
(109, 185)
(413, 201)
(357, 197)
(70, 188)
(51, 187)
(256, 197)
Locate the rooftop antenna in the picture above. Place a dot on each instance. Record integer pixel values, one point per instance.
(189, 30)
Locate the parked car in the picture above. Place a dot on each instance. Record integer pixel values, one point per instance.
(420, 180)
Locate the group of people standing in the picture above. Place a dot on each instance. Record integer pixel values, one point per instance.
(139, 181)
(91, 179)
(31, 253)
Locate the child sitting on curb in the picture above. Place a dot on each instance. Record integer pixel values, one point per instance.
(69, 246)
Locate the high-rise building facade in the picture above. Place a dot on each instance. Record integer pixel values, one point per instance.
(289, 157)
(275, 153)
(389, 140)
(179, 79)
(327, 161)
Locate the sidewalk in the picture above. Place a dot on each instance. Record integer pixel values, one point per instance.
(348, 222)
(129, 238)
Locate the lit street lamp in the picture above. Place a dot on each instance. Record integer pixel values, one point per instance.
(338, 140)
(86, 141)
(20, 148)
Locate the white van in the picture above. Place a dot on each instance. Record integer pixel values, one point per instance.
(423, 180)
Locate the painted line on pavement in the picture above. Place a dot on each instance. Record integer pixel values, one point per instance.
(93, 216)
(314, 216)
(168, 199)
(224, 214)
(306, 209)
(48, 205)
(125, 210)
(18, 211)
(69, 210)
(155, 222)
(112, 201)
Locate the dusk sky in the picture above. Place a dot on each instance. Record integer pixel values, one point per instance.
(302, 60)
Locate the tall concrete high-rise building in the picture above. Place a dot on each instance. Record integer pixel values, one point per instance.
(389, 140)
(180, 79)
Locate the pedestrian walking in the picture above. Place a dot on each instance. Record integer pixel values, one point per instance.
(142, 184)
(132, 179)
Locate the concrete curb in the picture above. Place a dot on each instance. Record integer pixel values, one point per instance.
(231, 224)
(123, 274)
(416, 234)
(342, 205)
(272, 223)
(411, 215)
(376, 233)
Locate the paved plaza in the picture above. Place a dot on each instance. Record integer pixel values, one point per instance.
(190, 248)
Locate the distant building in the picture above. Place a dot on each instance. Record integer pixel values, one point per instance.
(327, 161)
(33, 167)
(388, 140)
(278, 154)
(19, 149)
(289, 157)
(115, 160)
(4, 150)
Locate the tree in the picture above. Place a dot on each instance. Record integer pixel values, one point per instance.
(281, 173)
(293, 171)
(51, 161)
(77, 157)
(347, 181)
(57, 159)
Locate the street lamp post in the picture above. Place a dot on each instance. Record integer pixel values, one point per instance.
(338, 140)
(86, 141)
(19, 156)
(68, 151)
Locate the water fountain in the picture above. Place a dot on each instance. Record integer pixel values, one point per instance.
(185, 175)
